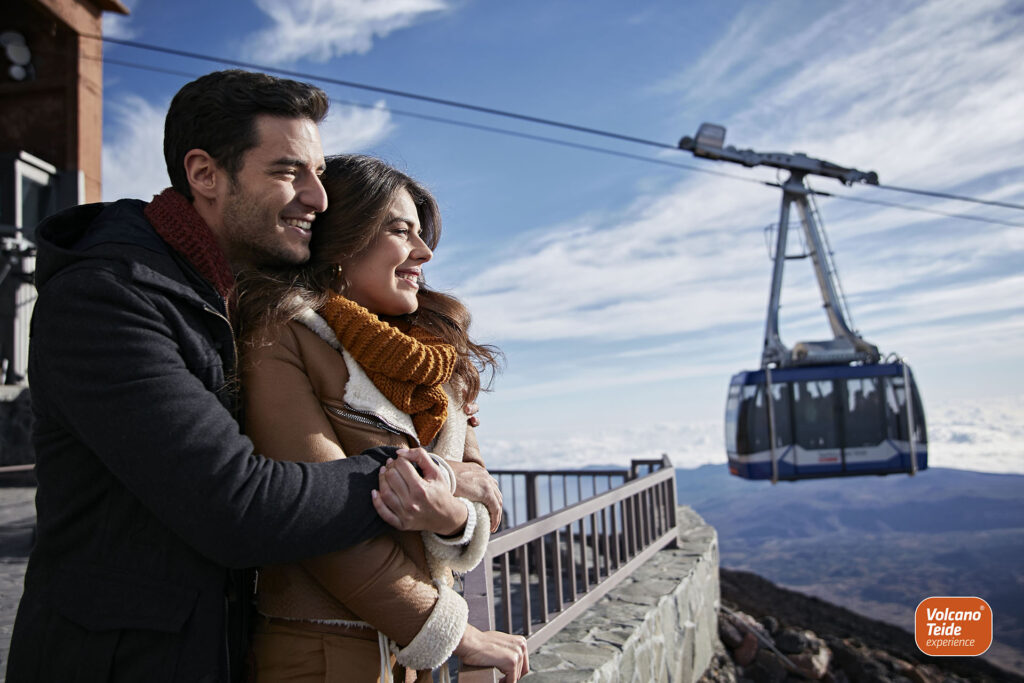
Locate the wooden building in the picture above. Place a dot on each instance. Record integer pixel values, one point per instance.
(51, 136)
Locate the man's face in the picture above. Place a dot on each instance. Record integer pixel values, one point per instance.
(267, 212)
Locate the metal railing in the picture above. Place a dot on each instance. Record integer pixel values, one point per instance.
(553, 565)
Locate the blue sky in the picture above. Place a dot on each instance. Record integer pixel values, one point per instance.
(624, 293)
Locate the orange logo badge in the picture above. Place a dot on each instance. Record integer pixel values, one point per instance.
(953, 626)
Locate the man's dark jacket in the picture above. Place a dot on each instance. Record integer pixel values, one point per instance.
(149, 496)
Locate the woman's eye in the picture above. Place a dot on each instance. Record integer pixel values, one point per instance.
(404, 232)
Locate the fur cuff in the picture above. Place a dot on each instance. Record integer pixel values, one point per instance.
(440, 635)
(459, 557)
(467, 530)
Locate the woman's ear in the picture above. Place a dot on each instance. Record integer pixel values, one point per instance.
(204, 175)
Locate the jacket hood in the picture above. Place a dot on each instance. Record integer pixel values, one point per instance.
(117, 231)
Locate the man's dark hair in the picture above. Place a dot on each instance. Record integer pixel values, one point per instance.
(217, 114)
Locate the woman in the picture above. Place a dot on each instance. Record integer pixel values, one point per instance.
(352, 352)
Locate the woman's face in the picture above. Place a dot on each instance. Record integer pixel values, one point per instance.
(384, 278)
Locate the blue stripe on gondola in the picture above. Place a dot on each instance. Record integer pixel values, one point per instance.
(819, 372)
(899, 463)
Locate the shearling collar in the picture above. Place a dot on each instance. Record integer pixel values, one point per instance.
(361, 394)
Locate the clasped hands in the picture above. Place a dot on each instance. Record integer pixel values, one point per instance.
(411, 501)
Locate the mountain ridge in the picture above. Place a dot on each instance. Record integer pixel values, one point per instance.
(877, 545)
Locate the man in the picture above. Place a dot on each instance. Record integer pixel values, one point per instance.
(150, 500)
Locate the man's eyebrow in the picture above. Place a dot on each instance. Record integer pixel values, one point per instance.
(285, 161)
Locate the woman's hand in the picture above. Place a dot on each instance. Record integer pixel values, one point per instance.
(505, 652)
(471, 409)
(410, 502)
(474, 483)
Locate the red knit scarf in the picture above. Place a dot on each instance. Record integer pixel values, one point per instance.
(407, 367)
(181, 226)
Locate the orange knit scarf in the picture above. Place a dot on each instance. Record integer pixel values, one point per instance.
(407, 367)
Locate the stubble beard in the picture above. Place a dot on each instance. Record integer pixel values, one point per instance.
(252, 233)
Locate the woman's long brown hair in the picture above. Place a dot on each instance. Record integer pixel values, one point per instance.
(359, 191)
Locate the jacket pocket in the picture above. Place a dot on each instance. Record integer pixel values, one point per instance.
(104, 600)
(109, 627)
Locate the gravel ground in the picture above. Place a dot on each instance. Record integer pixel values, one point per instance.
(17, 526)
(760, 598)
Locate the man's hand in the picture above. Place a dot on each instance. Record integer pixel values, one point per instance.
(410, 502)
(473, 482)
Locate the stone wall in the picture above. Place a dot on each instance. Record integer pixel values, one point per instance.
(659, 625)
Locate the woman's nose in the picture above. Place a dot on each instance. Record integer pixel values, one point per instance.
(420, 250)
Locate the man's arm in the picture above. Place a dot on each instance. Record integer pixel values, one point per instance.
(285, 417)
(108, 367)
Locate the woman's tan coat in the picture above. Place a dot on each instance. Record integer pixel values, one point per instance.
(295, 390)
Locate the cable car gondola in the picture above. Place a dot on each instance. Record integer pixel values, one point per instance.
(824, 421)
(821, 408)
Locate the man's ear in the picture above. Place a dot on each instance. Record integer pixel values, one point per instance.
(205, 176)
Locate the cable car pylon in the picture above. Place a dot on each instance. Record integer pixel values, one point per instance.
(819, 408)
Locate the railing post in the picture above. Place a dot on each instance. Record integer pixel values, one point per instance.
(506, 592)
(531, 497)
(542, 577)
(472, 674)
(560, 586)
(478, 589)
(524, 574)
(583, 555)
(672, 498)
(571, 546)
(606, 544)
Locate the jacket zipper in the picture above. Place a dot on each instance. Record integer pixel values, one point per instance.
(370, 419)
(231, 328)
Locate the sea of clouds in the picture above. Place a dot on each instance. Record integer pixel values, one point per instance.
(984, 435)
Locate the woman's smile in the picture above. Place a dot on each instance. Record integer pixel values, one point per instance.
(409, 276)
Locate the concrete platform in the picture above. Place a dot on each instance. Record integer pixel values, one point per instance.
(17, 531)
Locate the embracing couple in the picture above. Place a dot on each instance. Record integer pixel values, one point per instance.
(249, 372)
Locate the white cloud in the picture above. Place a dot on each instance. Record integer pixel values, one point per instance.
(322, 29)
(612, 309)
(133, 161)
(980, 435)
(687, 445)
(758, 47)
(929, 98)
(133, 157)
(352, 129)
(656, 269)
(602, 374)
(120, 25)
